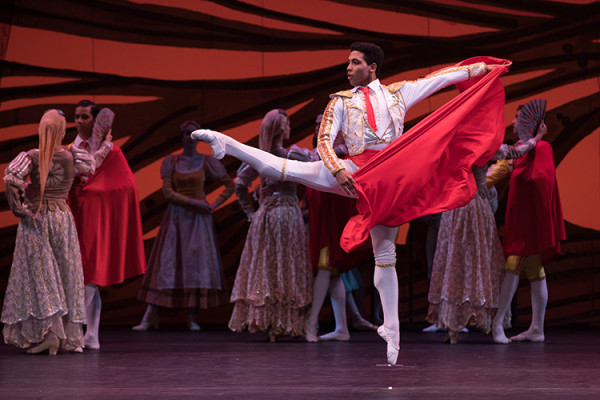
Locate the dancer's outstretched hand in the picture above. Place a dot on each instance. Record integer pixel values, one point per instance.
(345, 180)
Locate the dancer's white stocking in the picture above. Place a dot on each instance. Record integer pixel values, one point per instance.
(539, 300)
(311, 174)
(319, 292)
(93, 308)
(386, 282)
(338, 303)
(507, 291)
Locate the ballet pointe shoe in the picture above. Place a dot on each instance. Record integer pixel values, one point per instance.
(451, 337)
(529, 335)
(392, 348)
(214, 139)
(360, 324)
(50, 343)
(335, 335)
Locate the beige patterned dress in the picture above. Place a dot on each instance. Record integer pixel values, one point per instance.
(468, 266)
(45, 287)
(273, 284)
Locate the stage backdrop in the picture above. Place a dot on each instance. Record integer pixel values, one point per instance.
(226, 63)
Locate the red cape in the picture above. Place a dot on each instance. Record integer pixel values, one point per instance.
(107, 215)
(328, 213)
(428, 169)
(534, 221)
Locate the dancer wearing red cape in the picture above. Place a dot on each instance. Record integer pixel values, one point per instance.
(534, 225)
(436, 158)
(107, 215)
(428, 169)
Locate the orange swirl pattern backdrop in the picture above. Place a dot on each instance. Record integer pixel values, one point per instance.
(226, 63)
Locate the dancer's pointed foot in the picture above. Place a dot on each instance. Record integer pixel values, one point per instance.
(529, 335)
(393, 344)
(214, 139)
(361, 324)
(50, 343)
(335, 335)
(498, 334)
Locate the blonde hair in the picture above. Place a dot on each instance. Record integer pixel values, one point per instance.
(52, 130)
(272, 126)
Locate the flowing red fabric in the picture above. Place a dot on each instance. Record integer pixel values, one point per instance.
(428, 169)
(534, 220)
(328, 214)
(107, 215)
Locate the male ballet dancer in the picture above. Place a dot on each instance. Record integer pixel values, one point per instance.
(370, 116)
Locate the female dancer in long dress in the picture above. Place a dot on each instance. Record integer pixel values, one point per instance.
(180, 275)
(44, 301)
(468, 264)
(273, 284)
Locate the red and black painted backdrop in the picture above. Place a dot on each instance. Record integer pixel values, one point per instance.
(226, 63)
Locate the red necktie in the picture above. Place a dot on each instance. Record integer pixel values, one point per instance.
(370, 113)
(84, 145)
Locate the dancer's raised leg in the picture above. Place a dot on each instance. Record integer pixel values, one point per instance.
(312, 174)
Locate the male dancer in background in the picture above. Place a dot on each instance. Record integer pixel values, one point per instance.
(107, 215)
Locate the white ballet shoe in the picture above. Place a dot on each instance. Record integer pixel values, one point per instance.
(392, 348)
(498, 335)
(214, 139)
(528, 336)
(335, 335)
(432, 328)
(193, 326)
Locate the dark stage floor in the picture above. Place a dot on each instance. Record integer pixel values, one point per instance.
(171, 364)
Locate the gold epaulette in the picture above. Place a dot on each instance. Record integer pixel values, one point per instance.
(394, 87)
(343, 93)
